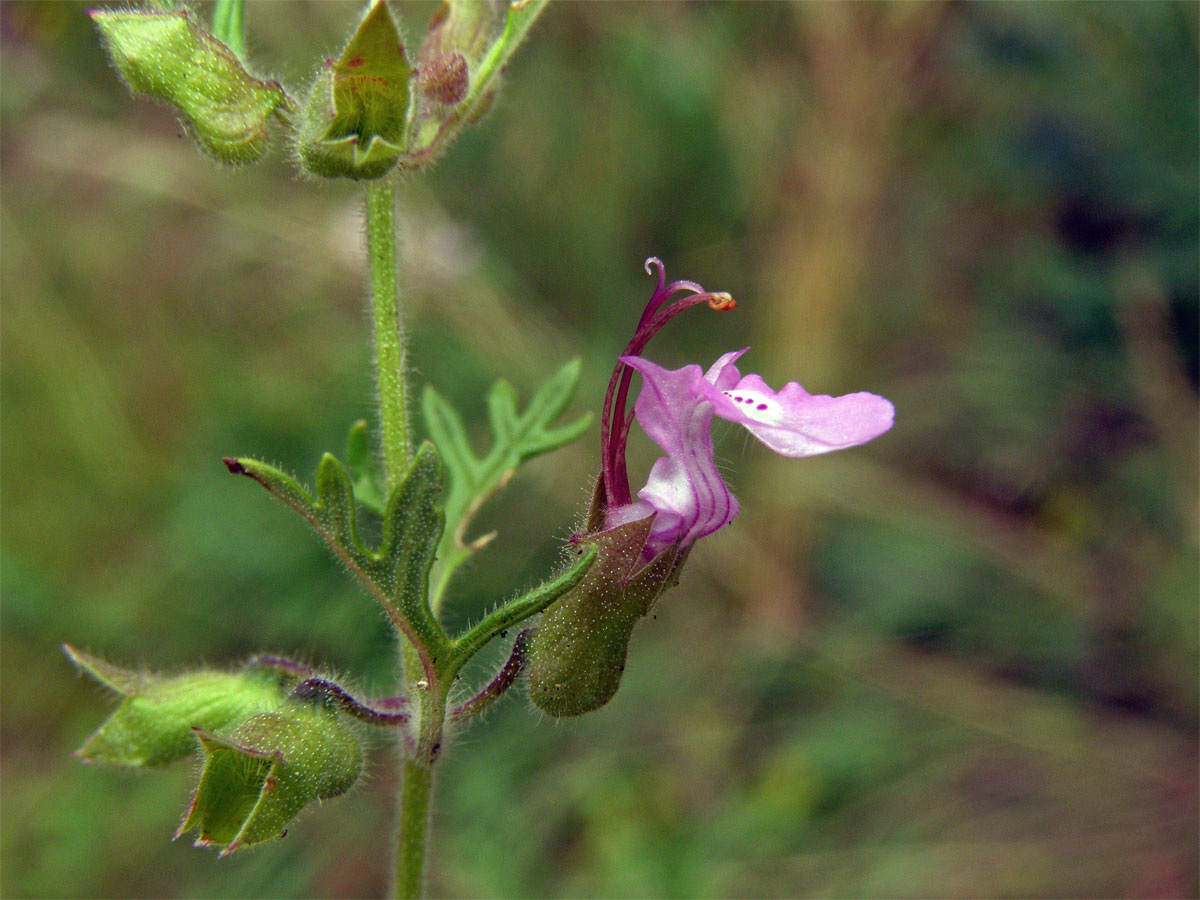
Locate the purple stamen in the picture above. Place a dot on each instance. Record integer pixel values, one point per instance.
(663, 291)
(614, 424)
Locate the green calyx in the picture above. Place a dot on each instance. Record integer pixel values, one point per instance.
(356, 115)
(577, 655)
(370, 110)
(168, 55)
(367, 112)
(466, 48)
(154, 725)
(259, 775)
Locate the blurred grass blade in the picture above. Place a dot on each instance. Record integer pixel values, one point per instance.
(229, 25)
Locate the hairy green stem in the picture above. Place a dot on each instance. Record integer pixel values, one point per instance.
(416, 782)
(389, 335)
(416, 765)
(415, 793)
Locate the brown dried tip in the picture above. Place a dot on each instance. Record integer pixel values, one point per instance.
(722, 301)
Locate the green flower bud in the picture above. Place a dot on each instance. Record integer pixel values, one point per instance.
(259, 775)
(577, 655)
(154, 724)
(169, 56)
(356, 114)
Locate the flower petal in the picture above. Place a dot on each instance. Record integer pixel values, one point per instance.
(684, 487)
(675, 408)
(723, 374)
(794, 422)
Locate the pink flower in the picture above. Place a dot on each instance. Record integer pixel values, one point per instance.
(578, 652)
(685, 492)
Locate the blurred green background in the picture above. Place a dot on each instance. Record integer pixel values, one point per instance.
(959, 661)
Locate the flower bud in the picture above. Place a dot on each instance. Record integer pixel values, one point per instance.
(154, 724)
(468, 27)
(169, 56)
(356, 114)
(443, 79)
(259, 775)
(577, 655)
(460, 61)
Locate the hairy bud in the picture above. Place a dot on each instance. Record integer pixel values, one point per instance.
(577, 655)
(356, 114)
(443, 79)
(259, 775)
(154, 724)
(169, 56)
(464, 52)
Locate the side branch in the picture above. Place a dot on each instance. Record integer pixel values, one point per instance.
(516, 611)
(390, 711)
(497, 687)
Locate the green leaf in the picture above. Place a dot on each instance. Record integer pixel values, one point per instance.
(154, 725)
(357, 109)
(258, 775)
(335, 504)
(169, 56)
(397, 574)
(516, 438)
(412, 529)
(364, 468)
(278, 483)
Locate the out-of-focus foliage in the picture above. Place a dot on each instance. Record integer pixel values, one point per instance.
(959, 661)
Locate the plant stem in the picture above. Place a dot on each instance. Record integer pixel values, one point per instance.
(416, 790)
(416, 766)
(389, 334)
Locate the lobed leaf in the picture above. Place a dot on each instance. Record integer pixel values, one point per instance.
(516, 438)
(412, 530)
(397, 574)
(364, 469)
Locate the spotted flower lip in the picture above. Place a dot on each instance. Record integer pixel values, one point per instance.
(793, 422)
(685, 491)
(676, 408)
